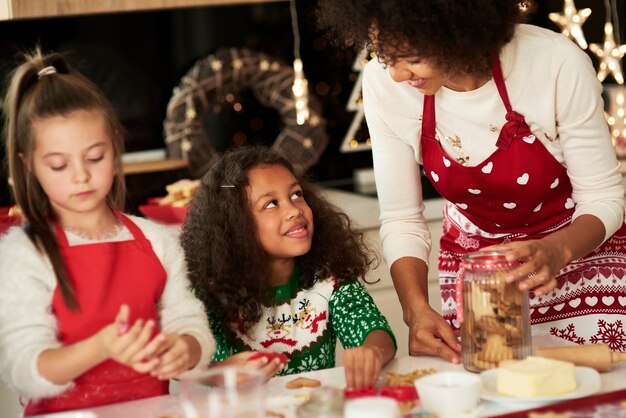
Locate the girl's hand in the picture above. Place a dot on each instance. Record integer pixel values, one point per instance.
(542, 260)
(430, 334)
(362, 366)
(243, 359)
(177, 354)
(129, 345)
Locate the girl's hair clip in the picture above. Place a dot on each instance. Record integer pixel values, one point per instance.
(46, 71)
(227, 186)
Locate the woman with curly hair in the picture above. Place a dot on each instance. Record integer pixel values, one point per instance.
(277, 267)
(506, 120)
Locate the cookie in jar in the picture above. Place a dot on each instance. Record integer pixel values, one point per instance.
(494, 314)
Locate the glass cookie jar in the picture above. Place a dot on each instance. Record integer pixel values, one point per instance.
(494, 317)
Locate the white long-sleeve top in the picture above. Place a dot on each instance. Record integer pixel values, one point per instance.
(550, 81)
(28, 326)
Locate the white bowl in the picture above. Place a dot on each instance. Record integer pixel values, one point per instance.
(449, 394)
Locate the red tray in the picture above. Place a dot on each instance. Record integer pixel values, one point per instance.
(610, 404)
(166, 214)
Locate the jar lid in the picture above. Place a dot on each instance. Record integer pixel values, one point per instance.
(487, 257)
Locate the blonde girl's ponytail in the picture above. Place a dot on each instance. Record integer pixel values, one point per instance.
(42, 87)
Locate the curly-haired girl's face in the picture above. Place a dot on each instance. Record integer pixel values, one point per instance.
(284, 221)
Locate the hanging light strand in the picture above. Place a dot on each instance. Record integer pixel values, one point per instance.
(300, 86)
(615, 21)
(611, 52)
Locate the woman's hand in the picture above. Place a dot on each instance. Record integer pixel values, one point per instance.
(243, 359)
(430, 334)
(542, 260)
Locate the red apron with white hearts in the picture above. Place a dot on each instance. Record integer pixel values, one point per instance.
(522, 192)
(105, 276)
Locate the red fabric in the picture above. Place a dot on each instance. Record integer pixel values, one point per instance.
(610, 404)
(522, 192)
(503, 193)
(105, 276)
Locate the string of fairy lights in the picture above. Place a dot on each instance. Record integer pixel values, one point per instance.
(570, 21)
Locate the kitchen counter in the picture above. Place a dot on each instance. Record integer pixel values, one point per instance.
(163, 406)
(363, 210)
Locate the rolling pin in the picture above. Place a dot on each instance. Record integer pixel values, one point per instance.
(597, 356)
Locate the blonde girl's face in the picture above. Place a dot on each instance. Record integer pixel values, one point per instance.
(284, 221)
(73, 160)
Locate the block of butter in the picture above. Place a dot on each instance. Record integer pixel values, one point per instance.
(535, 377)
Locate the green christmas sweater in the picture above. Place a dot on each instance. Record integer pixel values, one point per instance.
(304, 324)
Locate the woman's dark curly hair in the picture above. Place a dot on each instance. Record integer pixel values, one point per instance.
(452, 35)
(227, 264)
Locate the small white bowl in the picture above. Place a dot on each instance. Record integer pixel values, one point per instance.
(449, 394)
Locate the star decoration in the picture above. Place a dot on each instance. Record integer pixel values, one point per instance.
(610, 55)
(571, 21)
(216, 65)
(353, 140)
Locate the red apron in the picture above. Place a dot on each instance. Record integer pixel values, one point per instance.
(522, 192)
(105, 276)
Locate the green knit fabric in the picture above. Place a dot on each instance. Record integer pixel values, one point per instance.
(304, 324)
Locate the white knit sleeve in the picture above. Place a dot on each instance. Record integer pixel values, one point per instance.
(403, 231)
(179, 310)
(27, 324)
(585, 139)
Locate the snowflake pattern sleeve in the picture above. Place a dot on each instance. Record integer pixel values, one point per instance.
(222, 349)
(354, 315)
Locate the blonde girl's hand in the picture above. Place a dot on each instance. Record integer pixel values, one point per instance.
(177, 354)
(542, 260)
(249, 359)
(130, 346)
(362, 366)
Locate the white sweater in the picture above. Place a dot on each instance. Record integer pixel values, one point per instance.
(28, 326)
(550, 81)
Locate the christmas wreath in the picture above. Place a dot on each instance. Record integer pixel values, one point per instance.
(220, 76)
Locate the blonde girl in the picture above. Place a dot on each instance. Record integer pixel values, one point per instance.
(94, 304)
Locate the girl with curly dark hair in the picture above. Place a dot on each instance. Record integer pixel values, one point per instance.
(277, 267)
(507, 121)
